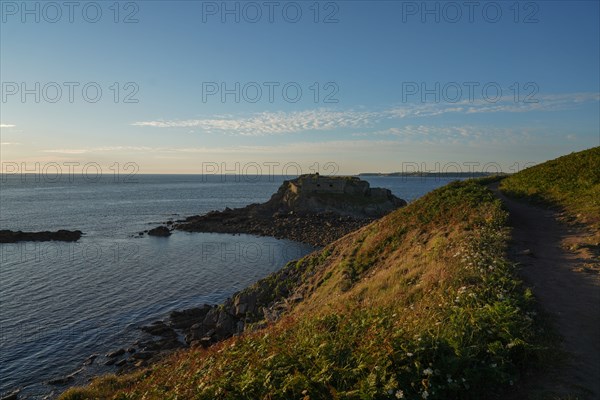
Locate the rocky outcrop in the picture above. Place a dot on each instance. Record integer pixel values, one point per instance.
(160, 231)
(347, 196)
(7, 236)
(310, 209)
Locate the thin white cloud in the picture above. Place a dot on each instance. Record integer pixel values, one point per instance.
(273, 123)
(451, 135)
(67, 151)
(103, 149)
(277, 123)
(9, 144)
(7, 126)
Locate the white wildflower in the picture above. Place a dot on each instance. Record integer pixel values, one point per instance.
(428, 371)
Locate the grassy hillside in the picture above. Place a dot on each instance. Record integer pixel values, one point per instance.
(421, 304)
(571, 182)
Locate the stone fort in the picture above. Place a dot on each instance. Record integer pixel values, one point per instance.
(317, 184)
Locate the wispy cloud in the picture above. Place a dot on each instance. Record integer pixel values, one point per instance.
(508, 104)
(7, 126)
(273, 123)
(104, 149)
(430, 134)
(67, 151)
(278, 123)
(9, 144)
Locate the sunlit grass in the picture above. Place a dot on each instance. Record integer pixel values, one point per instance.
(571, 182)
(420, 304)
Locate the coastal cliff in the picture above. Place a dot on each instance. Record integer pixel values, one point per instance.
(405, 307)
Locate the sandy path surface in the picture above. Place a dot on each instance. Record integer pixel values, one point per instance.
(571, 297)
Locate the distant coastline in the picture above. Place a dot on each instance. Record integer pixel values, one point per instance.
(432, 174)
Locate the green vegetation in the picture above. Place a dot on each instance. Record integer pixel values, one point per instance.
(571, 182)
(421, 304)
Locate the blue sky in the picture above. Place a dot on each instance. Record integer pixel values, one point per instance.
(371, 62)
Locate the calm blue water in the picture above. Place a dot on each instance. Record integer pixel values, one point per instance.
(61, 302)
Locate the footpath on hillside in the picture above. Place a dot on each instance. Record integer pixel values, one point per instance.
(569, 295)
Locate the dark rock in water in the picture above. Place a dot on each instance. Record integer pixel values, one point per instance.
(111, 361)
(7, 236)
(159, 328)
(90, 360)
(14, 395)
(168, 344)
(61, 381)
(131, 350)
(186, 318)
(160, 231)
(121, 362)
(143, 355)
(116, 353)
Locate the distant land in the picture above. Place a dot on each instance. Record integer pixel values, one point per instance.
(433, 174)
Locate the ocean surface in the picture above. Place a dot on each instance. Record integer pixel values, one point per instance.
(62, 302)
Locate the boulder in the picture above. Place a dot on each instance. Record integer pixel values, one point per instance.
(115, 353)
(159, 328)
(61, 381)
(226, 325)
(245, 303)
(162, 231)
(186, 318)
(211, 318)
(90, 360)
(143, 355)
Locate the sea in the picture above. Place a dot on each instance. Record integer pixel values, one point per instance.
(62, 302)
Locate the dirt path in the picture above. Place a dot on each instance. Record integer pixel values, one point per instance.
(570, 296)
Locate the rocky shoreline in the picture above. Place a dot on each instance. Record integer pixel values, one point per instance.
(300, 211)
(317, 229)
(310, 209)
(8, 236)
